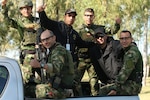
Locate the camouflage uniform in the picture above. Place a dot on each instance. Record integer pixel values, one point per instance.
(27, 31)
(129, 79)
(84, 59)
(60, 74)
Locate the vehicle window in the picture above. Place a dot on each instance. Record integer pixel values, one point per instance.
(3, 77)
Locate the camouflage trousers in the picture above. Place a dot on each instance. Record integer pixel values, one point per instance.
(28, 73)
(30, 76)
(46, 91)
(128, 88)
(85, 64)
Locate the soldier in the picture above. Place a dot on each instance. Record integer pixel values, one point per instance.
(59, 68)
(65, 34)
(129, 79)
(86, 31)
(26, 26)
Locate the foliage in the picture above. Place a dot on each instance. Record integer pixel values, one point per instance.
(8, 38)
(134, 14)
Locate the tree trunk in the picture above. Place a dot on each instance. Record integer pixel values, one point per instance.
(145, 51)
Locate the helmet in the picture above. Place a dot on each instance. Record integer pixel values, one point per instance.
(24, 3)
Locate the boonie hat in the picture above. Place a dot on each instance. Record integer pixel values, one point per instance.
(68, 11)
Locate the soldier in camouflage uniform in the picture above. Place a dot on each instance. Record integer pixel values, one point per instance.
(26, 26)
(86, 31)
(129, 79)
(59, 68)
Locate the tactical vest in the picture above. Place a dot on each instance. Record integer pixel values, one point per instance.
(66, 74)
(30, 26)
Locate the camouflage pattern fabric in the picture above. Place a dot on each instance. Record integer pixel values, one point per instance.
(45, 91)
(24, 3)
(60, 72)
(27, 30)
(27, 70)
(128, 82)
(84, 59)
(128, 88)
(60, 63)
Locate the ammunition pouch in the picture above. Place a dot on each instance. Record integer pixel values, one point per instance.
(56, 83)
(29, 37)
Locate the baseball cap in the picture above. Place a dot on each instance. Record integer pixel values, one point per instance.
(68, 11)
(99, 32)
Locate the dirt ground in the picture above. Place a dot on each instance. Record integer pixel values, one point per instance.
(145, 93)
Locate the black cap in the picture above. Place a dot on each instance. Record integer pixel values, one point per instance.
(68, 11)
(100, 31)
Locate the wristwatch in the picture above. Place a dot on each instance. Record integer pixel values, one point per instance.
(42, 65)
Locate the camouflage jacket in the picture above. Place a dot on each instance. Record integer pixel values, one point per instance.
(60, 63)
(25, 26)
(132, 69)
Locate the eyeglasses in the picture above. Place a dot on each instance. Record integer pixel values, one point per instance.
(124, 38)
(88, 15)
(46, 39)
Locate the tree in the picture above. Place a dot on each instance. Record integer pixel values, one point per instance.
(134, 15)
(8, 36)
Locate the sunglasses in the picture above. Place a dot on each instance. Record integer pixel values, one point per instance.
(97, 36)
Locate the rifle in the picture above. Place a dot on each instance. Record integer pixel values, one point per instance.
(40, 54)
(88, 31)
(40, 50)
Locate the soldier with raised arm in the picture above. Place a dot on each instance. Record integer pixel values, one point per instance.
(86, 31)
(26, 25)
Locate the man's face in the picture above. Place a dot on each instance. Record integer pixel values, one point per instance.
(26, 11)
(125, 39)
(101, 40)
(69, 18)
(47, 39)
(88, 18)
